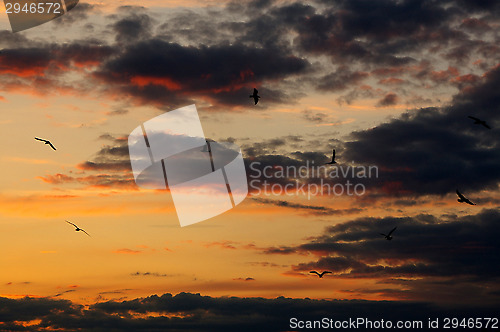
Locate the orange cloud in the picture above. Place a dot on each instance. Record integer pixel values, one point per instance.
(391, 80)
(223, 245)
(127, 251)
(163, 81)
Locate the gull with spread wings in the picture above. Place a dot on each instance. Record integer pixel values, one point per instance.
(320, 274)
(479, 122)
(255, 96)
(463, 199)
(77, 228)
(46, 142)
(388, 237)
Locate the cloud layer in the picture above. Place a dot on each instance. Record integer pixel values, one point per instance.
(194, 312)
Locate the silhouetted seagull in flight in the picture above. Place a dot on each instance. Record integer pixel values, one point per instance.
(46, 142)
(333, 159)
(463, 199)
(255, 96)
(77, 228)
(388, 237)
(320, 274)
(479, 122)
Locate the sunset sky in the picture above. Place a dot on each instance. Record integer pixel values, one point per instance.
(388, 84)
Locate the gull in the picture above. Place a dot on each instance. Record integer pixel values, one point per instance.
(463, 199)
(320, 274)
(45, 141)
(77, 228)
(388, 237)
(333, 159)
(479, 122)
(255, 96)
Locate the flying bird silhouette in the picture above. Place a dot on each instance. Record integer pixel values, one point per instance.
(46, 142)
(255, 96)
(333, 159)
(463, 199)
(479, 122)
(77, 228)
(388, 237)
(320, 274)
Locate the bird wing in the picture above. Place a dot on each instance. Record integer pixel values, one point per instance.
(314, 272)
(53, 147)
(325, 272)
(39, 139)
(460, 195)
(473, 118)
(85, 232)
(71, 223)
(383, 234)
(468, 202)
(486, 125)
(392, 230)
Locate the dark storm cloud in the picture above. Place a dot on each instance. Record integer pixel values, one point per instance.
(12, 39)
(154, 71)
(373, 32)
(132, 28)
(212, 55)
(224, 70)
(264, 147)
(478, 5)
(390, 99)
(27, 309)
(108, 165)
(95, 180)
(118, 151)
(109, 168)
(196, 313)
(311, 209)
(426, 151)
(433, 146)
(429, 256)
(78, 13)
(244, 279)
(475, 25)
(423, 246)
(39, 68)
(31, 61)
(112, 158)
(256, 165)
(224, 314)
(341, 79)
(370, 34)
(149, 274)
(272, 171)
(437, 150)
(318, 117)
